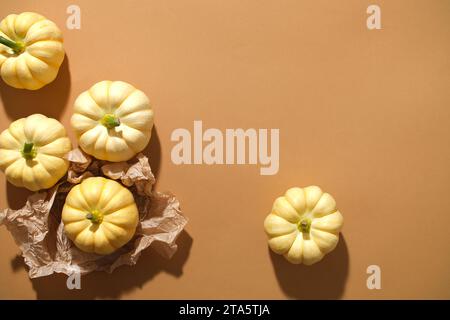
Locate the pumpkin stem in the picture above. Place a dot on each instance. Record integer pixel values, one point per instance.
(28, 151)
(110, 121)
(17, 47)
(304, 225)
(95, 217)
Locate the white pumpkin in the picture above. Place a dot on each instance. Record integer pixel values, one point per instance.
(112, 120)
(31, 50)
(100, 215)
(32, 152)
(304, 225)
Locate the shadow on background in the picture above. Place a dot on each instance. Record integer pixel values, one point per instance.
(153, 153)
(324, 280)
(17, 263)
(104, 285)
(50, 100)
(16, 197)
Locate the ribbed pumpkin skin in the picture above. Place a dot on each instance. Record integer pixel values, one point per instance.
(122, 101)
(304, 225)
(43, 52)
(50, 143)
(112, 203)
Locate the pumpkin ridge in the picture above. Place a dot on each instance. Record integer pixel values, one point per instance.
(19, 142)
(92, 122)
(108, 102)
(124, 99)
(31, 25)
(98, 251)
(12, 160)
(136, 91)
(75, 209)
(83, 228)
(15, 166)
(299, 216)
(60, 133)
(88, 132)
(117, 236)
(90, 248)
(91, 94)
(40, 154)
(16, 75)
(325, 251)
(58, 140)
(310, 209)
(17, 21)
(108, 213)
(293, 206)
(54, 65)
(76, 192)
(79, 109)
(290, 238)
(22, 175)
(127, 122)
(34, 75)
(131, 145)
(10, 25)
(92, 206)
(24, 72)
(324, 214)
(42, 24)
(21, 124)
(29, 128)
(323, 230)
(101, 195)
(43, 168)
(338, 230)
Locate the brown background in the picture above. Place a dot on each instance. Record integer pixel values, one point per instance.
(363, 114)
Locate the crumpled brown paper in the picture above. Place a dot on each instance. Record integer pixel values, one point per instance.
(39, 232)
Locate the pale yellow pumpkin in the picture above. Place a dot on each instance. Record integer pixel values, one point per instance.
(32, 152)
(113, 121)
(31, 50)
(304, 225)
(100, 215)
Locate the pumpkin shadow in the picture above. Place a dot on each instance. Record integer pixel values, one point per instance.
(324, 280)
(153, 153)
(17, 263)
(50, 100)
(16, 197)
(102, 285)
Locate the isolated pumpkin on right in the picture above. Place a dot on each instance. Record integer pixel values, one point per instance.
(304, 225)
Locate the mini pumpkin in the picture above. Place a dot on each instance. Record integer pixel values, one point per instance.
(31, 50)
(32, 152)
(304, 225)
(112, 120)
(100, 215)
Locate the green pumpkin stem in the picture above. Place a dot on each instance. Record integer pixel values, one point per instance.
(305, 225)
(110, 121)
(28, 151)
(95, 217)
(17, 47)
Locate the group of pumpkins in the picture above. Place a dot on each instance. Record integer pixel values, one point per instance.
(112, 121)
